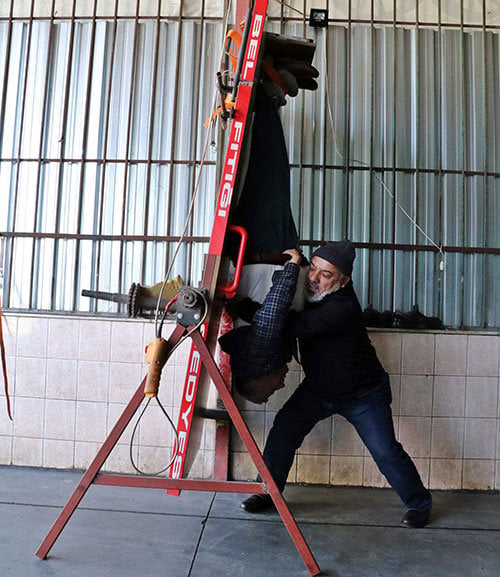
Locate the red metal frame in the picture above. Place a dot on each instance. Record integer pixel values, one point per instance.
(236, 142)
(203, 342)
(268, 485)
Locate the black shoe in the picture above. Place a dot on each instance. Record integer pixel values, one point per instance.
(257, 503)
(415, 518)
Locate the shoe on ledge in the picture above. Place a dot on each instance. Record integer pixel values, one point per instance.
(257, 503)
(416, 518)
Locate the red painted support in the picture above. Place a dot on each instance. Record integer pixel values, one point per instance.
(268, 485)
(99, 459)
(241, 9)
(240, 122)
(185, 484)
(223, 430)
(202, 343)
(256, 456)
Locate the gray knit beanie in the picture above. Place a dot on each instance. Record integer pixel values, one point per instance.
(340, 253)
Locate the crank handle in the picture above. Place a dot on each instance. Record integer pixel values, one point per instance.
(156, 356)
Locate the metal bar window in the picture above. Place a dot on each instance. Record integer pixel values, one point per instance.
(101, 125)
(99, 172)
(408, 144)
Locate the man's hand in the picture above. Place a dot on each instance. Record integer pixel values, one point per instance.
(295, 255)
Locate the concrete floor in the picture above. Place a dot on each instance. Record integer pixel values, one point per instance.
(131, 532)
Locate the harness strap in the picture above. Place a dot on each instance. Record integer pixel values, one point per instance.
(4, 364)
(228, 103)
(275, 76)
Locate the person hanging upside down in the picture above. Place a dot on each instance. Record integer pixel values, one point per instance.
(260, 352)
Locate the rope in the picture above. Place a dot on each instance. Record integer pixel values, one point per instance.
(377, 176)
(4, 364)
(174, 428)
(195, 190)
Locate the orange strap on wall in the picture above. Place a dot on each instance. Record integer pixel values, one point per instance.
(4, 364)
(228, 104)
(235, 36)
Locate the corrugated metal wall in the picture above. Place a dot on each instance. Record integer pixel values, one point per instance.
(401, 155)
(102, 138)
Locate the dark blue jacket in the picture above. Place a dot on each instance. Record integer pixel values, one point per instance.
(338, 359)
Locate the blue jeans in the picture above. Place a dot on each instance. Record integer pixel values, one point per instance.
(371, 416)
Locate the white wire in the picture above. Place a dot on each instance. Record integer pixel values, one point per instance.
(167, 275)
(377, 176)
(164, 411)
(134, 431)
(183, 234)
(196, 187)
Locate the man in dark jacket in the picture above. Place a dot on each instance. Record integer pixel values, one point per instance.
(342, 376)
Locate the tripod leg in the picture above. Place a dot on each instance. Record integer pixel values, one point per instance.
(256, 455)
(91, 472)
(99, 459)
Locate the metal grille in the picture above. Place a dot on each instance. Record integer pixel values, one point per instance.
(102, 138)
(101, 141)
(404, 160)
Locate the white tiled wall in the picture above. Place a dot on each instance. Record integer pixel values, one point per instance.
(446, 411)
(71, 378)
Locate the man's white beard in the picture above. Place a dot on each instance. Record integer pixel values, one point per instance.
(317, 297)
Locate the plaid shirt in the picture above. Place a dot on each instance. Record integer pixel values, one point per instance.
(260, 348)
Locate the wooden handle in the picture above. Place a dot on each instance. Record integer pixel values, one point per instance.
(156, 356)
